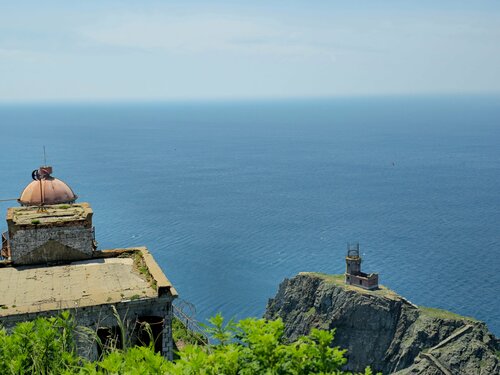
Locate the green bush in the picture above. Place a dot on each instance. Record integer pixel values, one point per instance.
(256, 346)
(42, 346)
(251, 346)
(180, 333)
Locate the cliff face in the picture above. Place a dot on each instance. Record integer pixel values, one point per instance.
(382, 329)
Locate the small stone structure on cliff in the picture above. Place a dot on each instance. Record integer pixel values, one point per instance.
(353, 274)
(50, 263)
(381, 329)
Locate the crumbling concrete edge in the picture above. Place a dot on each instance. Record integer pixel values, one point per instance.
(163, 284)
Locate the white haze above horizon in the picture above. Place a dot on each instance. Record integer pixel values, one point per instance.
(158, 50)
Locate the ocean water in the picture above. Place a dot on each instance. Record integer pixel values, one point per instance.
(233, 197)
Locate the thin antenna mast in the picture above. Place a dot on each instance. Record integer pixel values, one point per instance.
(41, 208)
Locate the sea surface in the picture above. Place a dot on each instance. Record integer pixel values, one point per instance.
(233, 197)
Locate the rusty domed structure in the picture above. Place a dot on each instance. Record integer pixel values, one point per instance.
(46, 189)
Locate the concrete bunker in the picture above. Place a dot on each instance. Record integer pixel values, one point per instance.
(50, 260)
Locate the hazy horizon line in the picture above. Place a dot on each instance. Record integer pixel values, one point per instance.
(268, 99)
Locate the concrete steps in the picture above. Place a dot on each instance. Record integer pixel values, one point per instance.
(428, 355)
(459, 332)
(437, 363)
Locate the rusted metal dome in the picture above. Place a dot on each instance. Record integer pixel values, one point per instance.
(46, 189)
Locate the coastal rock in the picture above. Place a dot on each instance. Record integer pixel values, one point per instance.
(384, 330)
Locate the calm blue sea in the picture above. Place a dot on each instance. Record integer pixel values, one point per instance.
(233, 197)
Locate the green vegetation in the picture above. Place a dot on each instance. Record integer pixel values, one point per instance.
(443, 314)
(35, 222)
(256, 346)
(250, 346)
(310, 312)
(387, 293)
(335, 279)
(41, 346)
(64, 206)
(184, 336)
(141, 266)
(339, 280)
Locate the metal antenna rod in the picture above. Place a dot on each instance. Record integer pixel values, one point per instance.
(10, 199)
(44, 157)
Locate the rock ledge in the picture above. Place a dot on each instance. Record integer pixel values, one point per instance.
(383, 329)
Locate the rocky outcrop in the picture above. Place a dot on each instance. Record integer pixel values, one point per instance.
(384, 330)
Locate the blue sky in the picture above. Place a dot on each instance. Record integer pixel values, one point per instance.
(177, 50)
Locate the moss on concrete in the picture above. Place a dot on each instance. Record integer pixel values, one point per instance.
(50, 214)
(142, 268)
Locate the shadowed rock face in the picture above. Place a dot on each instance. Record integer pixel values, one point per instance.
(382, 329)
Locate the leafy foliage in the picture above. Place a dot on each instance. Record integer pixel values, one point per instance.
(136, 360)
(251, 346)
(221, 332)
(180, 333)
(256, 346)
(42, 346)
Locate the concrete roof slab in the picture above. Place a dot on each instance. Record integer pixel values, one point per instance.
(78, 284)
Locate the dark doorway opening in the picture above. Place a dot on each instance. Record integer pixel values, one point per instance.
(145, 335)
(110, 338)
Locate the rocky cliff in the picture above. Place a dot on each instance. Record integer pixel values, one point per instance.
(384, 330)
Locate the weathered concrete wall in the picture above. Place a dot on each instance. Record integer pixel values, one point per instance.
(102, 316)
(45, 244)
